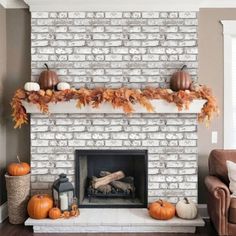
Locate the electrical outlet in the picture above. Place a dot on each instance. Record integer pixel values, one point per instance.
(214, 137)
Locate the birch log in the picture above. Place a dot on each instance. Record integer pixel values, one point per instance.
(96, 183)
(126, 187)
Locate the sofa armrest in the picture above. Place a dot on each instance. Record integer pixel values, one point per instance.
(218, 203)
(214, 184)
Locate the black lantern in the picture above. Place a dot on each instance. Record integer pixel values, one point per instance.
(63, 193)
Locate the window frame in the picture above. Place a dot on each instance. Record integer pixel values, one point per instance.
(229, 32)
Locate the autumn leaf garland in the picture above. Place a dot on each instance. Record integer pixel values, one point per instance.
(123, 98)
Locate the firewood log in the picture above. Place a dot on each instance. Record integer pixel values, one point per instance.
(104, 173)
(107, 179)
(128, 179)
(126, 187)
(105, 189)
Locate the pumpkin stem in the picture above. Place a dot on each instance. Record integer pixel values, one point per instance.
(183, 67)
(18, 159)
(186, 200)
(46, 66)
(161, 202)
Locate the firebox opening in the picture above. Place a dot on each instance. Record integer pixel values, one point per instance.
(124, 178)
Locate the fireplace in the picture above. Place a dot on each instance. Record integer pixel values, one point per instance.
(92, 164)
(115, 49)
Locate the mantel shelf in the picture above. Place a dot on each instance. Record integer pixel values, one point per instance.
(160, 106)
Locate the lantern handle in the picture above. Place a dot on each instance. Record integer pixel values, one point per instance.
(183, 67)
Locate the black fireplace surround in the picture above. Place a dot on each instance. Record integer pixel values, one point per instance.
(89, 163)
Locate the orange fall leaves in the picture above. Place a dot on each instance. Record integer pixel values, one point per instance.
(119, 98)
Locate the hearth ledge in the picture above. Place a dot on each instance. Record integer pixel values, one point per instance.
(160, 106)
(114, 220)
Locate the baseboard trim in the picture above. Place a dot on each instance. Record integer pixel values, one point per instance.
(202, 209)
(3, 212)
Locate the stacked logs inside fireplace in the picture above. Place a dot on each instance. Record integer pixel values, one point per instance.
(110, 185)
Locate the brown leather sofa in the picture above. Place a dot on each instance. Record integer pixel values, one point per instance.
(221, 207)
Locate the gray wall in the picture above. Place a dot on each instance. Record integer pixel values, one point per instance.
(211, 72)
(18, 72)
(14, 72)
(3, 70)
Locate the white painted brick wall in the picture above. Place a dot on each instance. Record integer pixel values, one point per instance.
(133, 49)
(114, 49)
(173, 165)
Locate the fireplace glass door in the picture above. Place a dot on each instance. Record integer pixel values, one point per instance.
(111, 178)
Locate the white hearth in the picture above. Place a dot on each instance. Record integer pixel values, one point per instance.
(114, 221)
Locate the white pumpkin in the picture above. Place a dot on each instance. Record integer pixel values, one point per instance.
(186, 209)
(63, 86)
(31, 86)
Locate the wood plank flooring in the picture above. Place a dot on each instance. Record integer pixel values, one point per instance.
(6, 229)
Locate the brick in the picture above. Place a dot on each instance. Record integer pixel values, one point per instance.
(39, 128)
(174, 178)
(95, 143)
(156, 136)
(46, 135)
(187, 15)
(39, 143)
(132, 143)
(39, 171)
(113, 143)
(169, 171)
(101, 136)
(60, 164)
(187, 57)
(63, 136)
(188, 143)
(83, 135)
(113, 14)
(39, 186)
(64, 122)
(175, 164)
(39, 15)
(156, 178)
(153, 171)
(48, 178)
(150, 14)
(76, 14)
(76, 143)
(119, 135)
(187, 185)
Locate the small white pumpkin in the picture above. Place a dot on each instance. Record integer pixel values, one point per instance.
(195, 86)
(31, 86)
(63, 86)
(186, 209)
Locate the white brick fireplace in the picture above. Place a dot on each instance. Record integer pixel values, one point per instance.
(114, 49)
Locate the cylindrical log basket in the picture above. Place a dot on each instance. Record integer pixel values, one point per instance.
(18, 194)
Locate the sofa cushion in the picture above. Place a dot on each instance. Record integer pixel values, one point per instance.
(231, 166)
(232, 211)
(217, 163)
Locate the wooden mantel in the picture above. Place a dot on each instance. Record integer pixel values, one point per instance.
(160, 106)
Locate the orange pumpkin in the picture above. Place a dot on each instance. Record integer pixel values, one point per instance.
(39, 206)
(55, 213)
(66, 214)
(162, 210)
(180, 80)
(48, 79)
(18, 169)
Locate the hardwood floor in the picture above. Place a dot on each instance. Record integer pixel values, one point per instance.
(6, 229)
